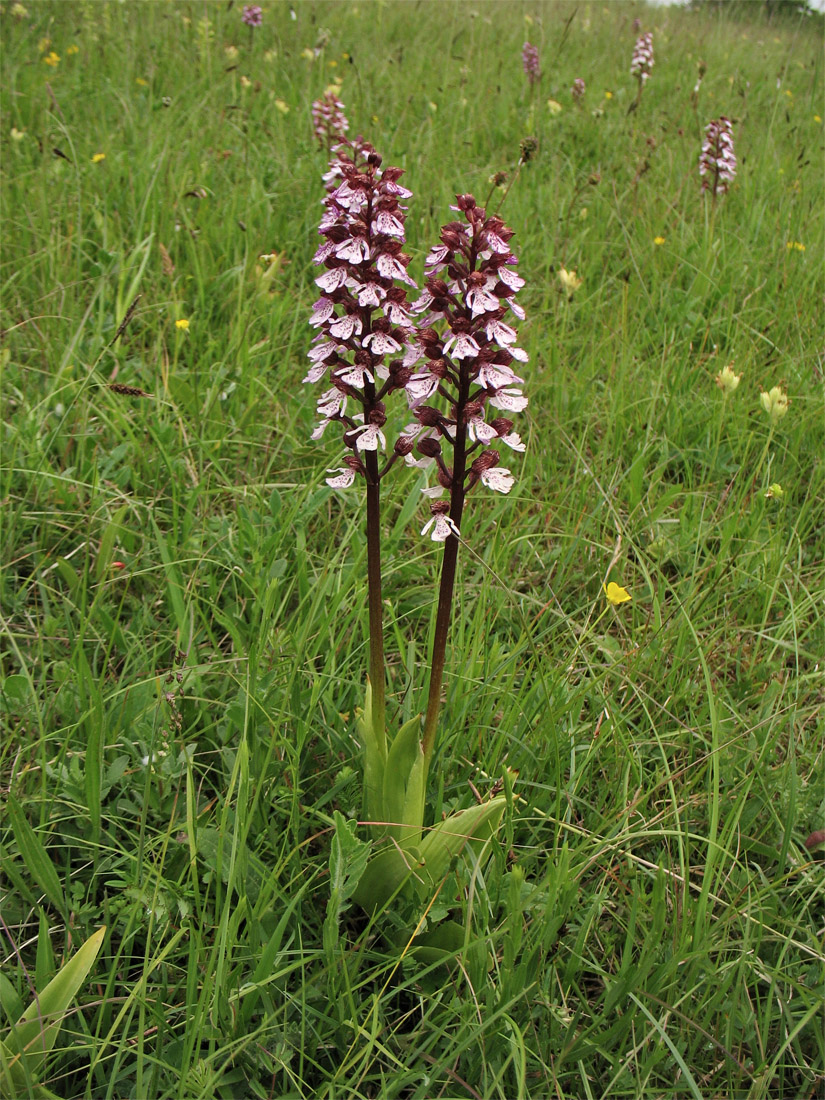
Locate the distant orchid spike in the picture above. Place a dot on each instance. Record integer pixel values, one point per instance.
(328, 119)
(641, 64)
(362, 317)
(252, 15)
(717, 161)
(470, 355)
(530, 62)
(578, 89)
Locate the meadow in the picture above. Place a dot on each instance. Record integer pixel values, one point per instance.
(183, 598)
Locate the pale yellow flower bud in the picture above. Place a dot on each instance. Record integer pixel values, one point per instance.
(727, 380)
(569, 280)
(775, 403)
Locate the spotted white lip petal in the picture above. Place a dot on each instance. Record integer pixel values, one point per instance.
(509, 400)
(345, 327)
(321, 351)
(513, 441)
(498, 478)
(343, 480)
(369, 436)
(461, 346)
(316, 372)
(354, 375)
(371, 294)
(381, 343)
(420, 387)
(442, 527)
(332, 279)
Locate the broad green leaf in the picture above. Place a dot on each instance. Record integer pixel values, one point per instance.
(37, 859)
(405, 784)
(375, 758)
(449, 837)
(35, 1033)
(385, 874)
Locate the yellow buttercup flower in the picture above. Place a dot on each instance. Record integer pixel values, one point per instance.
(608, 95)
(658, 240)
(52, 59)
(72, 50)
(795, 245)
(182, 324)
(616, 594)
(98, 157)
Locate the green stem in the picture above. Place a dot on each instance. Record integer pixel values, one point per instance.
(447, 585)
(376, 627)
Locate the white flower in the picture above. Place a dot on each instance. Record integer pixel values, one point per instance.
(498, 478)
(513, 441)
(465, 346)
(354, 375)
(332, 279)
(381, 343)
(509, 400)
(442, 527)
(480, 430)
(420, 387)
(369, 436)
(343, 480)
(345, 327)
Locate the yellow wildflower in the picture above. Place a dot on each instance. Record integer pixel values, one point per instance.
(569, 280)
(658, 240)
(554, 107)
(52, 59)
(71, 50)
(817, 118)
(616, 594)
(182, 324)
(282, 106)
(608, 95)
(143, 83)
(307, 54)
(727, 379)
(775, 403)
(17, 135)
(98, 157)
(797, 245)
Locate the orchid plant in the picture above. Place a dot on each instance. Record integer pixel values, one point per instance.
(451, 358)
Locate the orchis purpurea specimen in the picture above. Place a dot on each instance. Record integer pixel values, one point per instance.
(463, 394)
(365, 342)
(530, 62)
(641, 65)
(717, 161)
(328, 120)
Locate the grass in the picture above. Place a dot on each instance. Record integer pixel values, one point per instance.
(183, 599)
